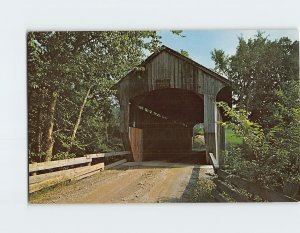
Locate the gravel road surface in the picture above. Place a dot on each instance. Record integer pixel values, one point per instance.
(145, 182)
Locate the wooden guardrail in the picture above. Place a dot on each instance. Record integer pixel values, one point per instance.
(214, 161)
(85, 169)
(59, 163)
(230, 185)
(106, 155)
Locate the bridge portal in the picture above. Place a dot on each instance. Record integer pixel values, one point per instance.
(161, 103)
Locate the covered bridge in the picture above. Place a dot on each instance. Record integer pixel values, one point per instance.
(161, 102)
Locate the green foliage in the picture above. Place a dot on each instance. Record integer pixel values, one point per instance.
(184, 53)
(232, 138)
(198, 143)
(63, 155)
(265, 77)
(36, 157)
(258, 70)
(178, 33)
(66, 65)
(201, 192)
(221, 61)
(251, 133)
(285, 135)
(198, 129)
(198, 137)
(263, 157)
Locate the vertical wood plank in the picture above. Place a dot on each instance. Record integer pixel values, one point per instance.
(179, 75)
(171, 71)
(136, 141)
(176, 72)
(183, 76)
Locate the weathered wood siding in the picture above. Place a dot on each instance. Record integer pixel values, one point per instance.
(181, 74)
(136, 142)
(177, 72)
(168, 69)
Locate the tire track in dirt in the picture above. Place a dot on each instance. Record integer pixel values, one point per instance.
(116, 190)
(168, 188)
(141, 183)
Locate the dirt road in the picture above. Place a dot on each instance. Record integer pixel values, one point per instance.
(146, 182)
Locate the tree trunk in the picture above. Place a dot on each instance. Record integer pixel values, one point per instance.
(49, 134)
(39, 135)
(248, 98)
(78, 120)
(106, 131)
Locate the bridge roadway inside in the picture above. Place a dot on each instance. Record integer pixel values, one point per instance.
(131, 182)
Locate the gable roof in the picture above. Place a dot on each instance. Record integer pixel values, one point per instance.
(182, 57)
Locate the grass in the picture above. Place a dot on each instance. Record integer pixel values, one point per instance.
(232, 138)
(201, 191)
(40, 193)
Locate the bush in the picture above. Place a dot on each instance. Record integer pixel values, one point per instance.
(63, 155)
(267, 157)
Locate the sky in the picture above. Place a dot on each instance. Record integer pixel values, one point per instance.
(200, 43)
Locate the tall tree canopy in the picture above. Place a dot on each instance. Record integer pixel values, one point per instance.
(69, 79)
(259, 69)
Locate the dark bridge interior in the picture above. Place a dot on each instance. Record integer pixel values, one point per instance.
(166, 118)
(175, 104)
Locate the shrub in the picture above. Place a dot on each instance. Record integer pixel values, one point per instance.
(268, 157)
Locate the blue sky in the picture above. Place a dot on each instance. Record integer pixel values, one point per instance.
(199, 43)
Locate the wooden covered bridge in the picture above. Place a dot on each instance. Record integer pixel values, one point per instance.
(161, 103)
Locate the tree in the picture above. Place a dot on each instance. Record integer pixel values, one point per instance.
(265, 76)
(178, 33)
(184, 53)
(70, 71)
(259, 68)
(221, 61)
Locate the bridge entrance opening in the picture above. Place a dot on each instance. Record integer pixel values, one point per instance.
(198, 137)
(161, 124)
(161, 102)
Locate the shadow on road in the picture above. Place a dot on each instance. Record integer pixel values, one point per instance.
(191, 185)
(198, 189)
